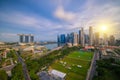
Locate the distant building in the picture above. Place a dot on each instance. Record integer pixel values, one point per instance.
(61, 40)
(21, 37)
(105, 38)
(68, 38)
(96, 39)
(82, 39)
(31, 38)
(112, 40)
(58, 40)
(26, 38)
(75, 39)
(2, 43)
(79, 36)
(86, 39)
(90, 36)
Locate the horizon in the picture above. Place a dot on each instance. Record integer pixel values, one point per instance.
(48, 18)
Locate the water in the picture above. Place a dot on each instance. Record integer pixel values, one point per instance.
(50, 46)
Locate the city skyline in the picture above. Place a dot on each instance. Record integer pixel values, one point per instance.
(48, 18)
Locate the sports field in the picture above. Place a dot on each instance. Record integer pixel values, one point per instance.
(75, 65)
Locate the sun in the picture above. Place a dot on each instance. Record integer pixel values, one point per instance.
(104, 28)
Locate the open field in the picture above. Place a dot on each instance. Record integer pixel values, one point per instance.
(70, 63)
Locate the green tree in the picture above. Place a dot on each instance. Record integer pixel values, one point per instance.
(17, 72)
(3, 75)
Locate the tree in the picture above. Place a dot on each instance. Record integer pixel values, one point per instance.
(17, 72)
(3, 75)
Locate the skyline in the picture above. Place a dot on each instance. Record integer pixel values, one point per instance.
(48, 18)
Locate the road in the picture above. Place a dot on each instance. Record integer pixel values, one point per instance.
(25, 71)
(91, 71)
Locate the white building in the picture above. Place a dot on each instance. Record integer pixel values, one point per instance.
(57, 74)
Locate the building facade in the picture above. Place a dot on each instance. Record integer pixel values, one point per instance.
(26, 38)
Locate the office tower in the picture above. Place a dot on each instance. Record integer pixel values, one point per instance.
(58, 40)
(74, 39)
(86, 39)
(71, 38)
(82, 37)
(62, 38)
(90, 36)
(96, 38)
(112, 40)
(105, 38)
(68, 38)
(79, 36)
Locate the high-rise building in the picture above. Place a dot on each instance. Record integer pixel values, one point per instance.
(26, 38)
(79, 36)
(61, 40)
(68, 38)
(75, 39)
(112, 40)
(86, 39)
(105, 38)
(96, 38)
(90, 36)
(21, 38)
(31, 38)
(82, 39)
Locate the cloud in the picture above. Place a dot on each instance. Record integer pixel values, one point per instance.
(91, 13)
(28, 21)
(8, 37)
(60, 13)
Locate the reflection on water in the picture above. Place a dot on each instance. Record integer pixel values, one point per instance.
(50, 46)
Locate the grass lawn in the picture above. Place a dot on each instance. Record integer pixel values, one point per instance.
(72, 61)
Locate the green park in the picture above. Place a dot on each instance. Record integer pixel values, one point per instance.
(75, 65)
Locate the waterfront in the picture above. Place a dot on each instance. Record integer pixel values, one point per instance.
(50, 46)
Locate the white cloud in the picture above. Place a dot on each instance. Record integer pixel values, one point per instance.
(28, 21)
(8, 37)
(64, 15)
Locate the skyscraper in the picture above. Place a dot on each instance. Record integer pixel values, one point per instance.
(75, 39)
(90, 36)
(61, 40)
(86, 39)
(105, 38)
(79, 36)
(96, 38)
(21, 38)
(31, 38)
(112, 40)
(26, 38)
(82, 37)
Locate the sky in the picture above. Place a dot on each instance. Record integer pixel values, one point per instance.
(46, 19)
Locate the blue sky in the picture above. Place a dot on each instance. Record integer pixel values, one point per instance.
(48, 18)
